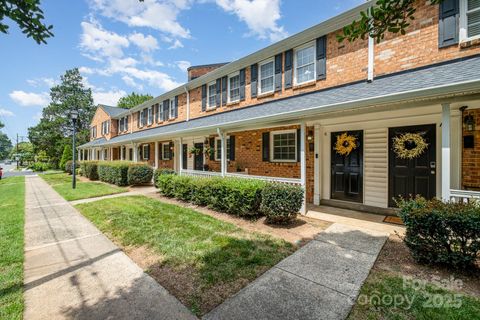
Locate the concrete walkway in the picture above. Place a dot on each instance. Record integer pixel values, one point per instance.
(320, 281)
(72, 271)
(145, 191)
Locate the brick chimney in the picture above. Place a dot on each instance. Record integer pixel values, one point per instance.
(198, 71)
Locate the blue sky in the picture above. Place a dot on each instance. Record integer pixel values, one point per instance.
(122, 46)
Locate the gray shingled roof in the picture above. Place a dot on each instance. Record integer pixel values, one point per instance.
(112, 111)
(419, 83)
(94, 143)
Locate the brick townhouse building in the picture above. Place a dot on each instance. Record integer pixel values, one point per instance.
(354, 123)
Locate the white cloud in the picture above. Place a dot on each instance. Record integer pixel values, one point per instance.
(98, 42)
(261, 16)
(145, 43)
(6, 113)
(159, 15)
(86, 70)
(109, 98)
(131, 82)
(176, 44)
(27, 99)
(153, 78)
(50, 82)
(183, 65)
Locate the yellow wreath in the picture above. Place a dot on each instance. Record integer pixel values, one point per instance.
(345, 144)
(415, 139)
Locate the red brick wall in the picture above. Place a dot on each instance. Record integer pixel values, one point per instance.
(471, 157)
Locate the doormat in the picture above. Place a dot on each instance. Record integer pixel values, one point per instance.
(392, 219)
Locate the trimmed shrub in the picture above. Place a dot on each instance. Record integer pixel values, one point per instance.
(163, 171)
(441, 233)
(139, 173)
(39, 166)
(114, 172)
(69, 166)
(281, 202)
(89, 169)
(66, 156)
(165, 184)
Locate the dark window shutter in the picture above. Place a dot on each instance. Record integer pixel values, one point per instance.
(224, 90)
(322, 58)
(157, 112)
(232, 148)
(218, 85)
(204, 97)
(266, 146)
(253, 80)
(448, 24)
(212, 147)
(176, 106)
(299, 137)
(288, 69)
(278, 72)
(165, 109)
(126, 122)
(242, 84)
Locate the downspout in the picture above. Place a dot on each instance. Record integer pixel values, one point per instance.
(188, 102)
(371, 58)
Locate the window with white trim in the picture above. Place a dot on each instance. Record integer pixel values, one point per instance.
(212, 95)
(105, 127)
(150, 116)
(283, 146)
(470, 20)
(218, 149)
(171, 109)
(166, 152)
(146, 152)
(304, 64)
(94, 132)
(266, 76)
(234, 88)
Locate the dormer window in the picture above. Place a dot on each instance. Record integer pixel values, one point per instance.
(305, 64)
(266, 75)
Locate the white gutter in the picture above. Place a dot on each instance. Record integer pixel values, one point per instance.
(427, 93)
(188, 103)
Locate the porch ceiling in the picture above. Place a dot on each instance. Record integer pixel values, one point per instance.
(442, 80)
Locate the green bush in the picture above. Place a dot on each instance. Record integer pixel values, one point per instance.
(89, 169)
(139, 173)
(39, 166)
(68, 166)
(441, 233)
(281, 202)
(114, 172)
(67, 155)
(165, 184)
(158, 172)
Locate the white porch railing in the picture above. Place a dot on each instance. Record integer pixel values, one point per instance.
(197, 173)
(464, 195)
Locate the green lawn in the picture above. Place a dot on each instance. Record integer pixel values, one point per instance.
(201, 260)
(381, 290)
(12, 201)
(62, 183)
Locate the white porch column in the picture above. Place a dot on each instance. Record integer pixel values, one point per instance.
(179, 154)
(156, 154)
(445, 151)
(317, 171)
(303, 167)
(79, 156)
(223, 153)
(121, 152)
(135, 152)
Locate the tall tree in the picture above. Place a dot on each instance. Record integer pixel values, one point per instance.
(384, 16)
(55, 127)
(5, 145)
(29, 17)
(132, 100)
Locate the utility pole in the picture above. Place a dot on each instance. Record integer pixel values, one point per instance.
(17, 157)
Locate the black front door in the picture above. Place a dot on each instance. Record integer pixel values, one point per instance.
(184, 156)
(412, 175)
(347, 169)
(198, 157)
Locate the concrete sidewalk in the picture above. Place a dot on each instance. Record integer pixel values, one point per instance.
(72, 271)
(320, 281)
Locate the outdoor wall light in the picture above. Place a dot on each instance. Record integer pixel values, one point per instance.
(310, 136)
(469, 122)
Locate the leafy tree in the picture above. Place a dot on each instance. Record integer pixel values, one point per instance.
(67, 155)
(5, 146)
(1, 124)
(28, 15)
(133, 100)
(54, 130)
(392, 16)
(24, 150)
(42, 156)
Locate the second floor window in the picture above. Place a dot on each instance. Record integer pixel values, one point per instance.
(150, 116)
(266, 77)
(212, 95)
(105, 127)
(171, 109)
(234, 88)
(305, 64)
(470, 19)
(94, 132)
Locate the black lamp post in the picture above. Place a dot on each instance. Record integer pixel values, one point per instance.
(74, 116)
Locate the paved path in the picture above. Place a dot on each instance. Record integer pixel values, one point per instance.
(145, 191)
(320, 281)
(72, 271)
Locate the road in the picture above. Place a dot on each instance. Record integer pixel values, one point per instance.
(9, 170)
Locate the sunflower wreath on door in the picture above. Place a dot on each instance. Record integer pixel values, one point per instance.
(409, 145)
(345, 144)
